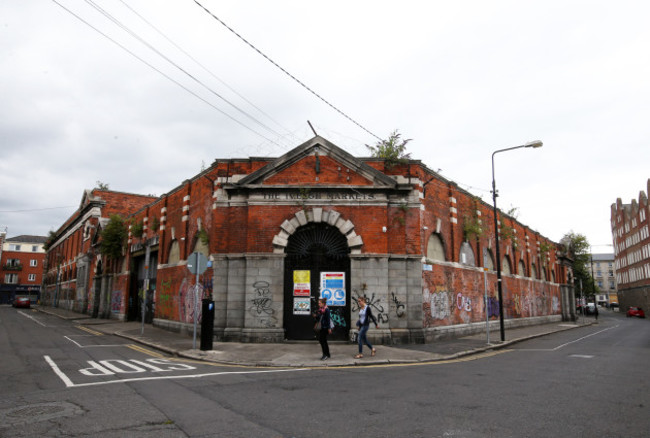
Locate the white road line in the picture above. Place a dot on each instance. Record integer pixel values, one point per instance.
(568, 343)
(32, 318)
(70, 384)
(58, 372)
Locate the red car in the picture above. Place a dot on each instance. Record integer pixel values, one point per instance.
(21, 302)
(635, 311)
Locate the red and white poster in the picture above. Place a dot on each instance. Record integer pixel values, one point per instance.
(301, 283)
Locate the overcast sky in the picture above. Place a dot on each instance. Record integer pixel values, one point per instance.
(462, 79)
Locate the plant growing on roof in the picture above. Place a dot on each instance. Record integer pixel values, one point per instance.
(51, 237)
(392, 150)
(472, 226)
(137, 229)
(101, 185)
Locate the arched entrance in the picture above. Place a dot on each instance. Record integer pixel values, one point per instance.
(317, 261)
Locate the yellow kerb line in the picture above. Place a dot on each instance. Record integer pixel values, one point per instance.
(92, 332)
(145, 351)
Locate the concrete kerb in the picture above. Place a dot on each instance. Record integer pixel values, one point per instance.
(201, 356)
(373, 362)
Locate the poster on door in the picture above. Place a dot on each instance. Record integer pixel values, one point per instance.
(301, 306)
(301, 283)
(332, 287)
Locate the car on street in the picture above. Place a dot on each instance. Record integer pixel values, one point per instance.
(21, 302)
(635, 311)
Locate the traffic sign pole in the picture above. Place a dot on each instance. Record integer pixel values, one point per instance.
(197, 263)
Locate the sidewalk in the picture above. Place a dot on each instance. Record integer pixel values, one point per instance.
(306, 353)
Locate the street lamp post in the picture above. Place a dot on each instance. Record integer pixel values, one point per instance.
(532, 144)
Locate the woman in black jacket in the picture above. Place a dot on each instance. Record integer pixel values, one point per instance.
(325, 327)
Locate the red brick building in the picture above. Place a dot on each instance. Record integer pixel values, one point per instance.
(631, 237)
(74, 276)
(279, 232)
(21, 261)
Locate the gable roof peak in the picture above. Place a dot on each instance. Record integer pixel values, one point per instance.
(320, 146)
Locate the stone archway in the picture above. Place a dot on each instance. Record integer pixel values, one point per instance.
(317, 215)
(317, 246)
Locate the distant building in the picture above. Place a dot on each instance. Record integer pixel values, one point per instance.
(605, 278)
(21, 261)
(74, 266)
(631, 235)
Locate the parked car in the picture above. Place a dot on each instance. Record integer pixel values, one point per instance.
(613, 305)
(635, 311)
(21, 302)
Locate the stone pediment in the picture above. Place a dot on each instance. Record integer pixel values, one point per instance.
(317, 162)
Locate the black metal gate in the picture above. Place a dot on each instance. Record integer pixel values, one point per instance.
(136, 292)
(317, 255)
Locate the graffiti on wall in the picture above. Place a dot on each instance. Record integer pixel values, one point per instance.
(373, 302)
(262, 304)
(189, 297)
(116, 301)
(178, 303)
(463, 302)
(439, 307)
(165, 302)
(337, 316)
(493, 307)
(400, 308)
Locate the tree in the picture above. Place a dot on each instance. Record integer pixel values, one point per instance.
(51, 238)
(113, 237)
(578, 248)
(392, 150)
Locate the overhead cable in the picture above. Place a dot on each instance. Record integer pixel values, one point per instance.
(198, 63)
(285, 71)
(159, 53)
(163, 74)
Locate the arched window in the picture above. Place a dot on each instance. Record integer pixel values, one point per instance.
(505, 266)
(467, 254)
(521, 270)
(174, 253)
(489, 260)
(201, 246)
(533, 271)
(435, 248)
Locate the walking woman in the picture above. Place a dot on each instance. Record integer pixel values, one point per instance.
(365, 316)
(325, 327)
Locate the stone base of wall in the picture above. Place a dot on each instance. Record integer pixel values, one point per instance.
(391, 336)
(460, 330)
(260, 335)
(249, 335)
(176, 327)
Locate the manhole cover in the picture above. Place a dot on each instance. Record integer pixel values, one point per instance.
(37, 412)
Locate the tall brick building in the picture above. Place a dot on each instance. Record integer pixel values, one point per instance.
(21, 262)
(281, 232)
(631, 237)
